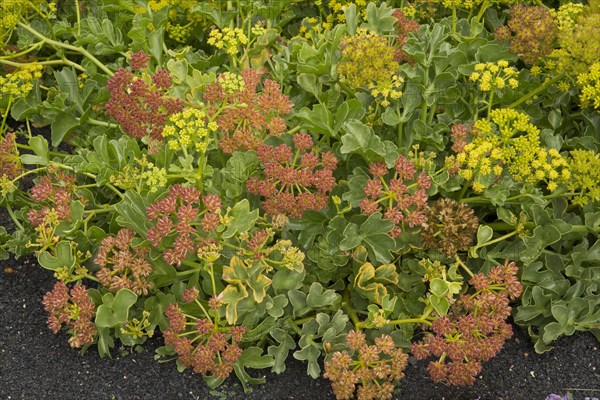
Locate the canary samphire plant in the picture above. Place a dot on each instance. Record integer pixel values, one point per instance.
(345, 183)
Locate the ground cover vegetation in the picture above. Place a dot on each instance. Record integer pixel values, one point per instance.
(345, 183)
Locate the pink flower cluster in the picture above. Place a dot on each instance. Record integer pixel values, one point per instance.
(175, 215)
(294, 181)
(141, 109)
(55, 193)
(250, 113)
(531, 31)
(403, 200)
(373, 371)
(461, 343)
(73, 307)
(122, 264)
(404, 26)
(208, 350)
(10, 163)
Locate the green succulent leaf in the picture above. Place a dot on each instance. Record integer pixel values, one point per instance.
(114, 310)
(63, 257)
(242, 219)
(372, 234)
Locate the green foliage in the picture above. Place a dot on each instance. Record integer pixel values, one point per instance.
(159, 229)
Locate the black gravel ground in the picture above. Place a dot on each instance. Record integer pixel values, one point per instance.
(35, 364)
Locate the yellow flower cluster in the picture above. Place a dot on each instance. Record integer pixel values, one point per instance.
(584, 166)
(147, 174)
(579, 42)
(154, 177)
(337, 11)
(157, 5)
(20, 82)
(188, 127)
(227, 39)
(388, 89)
(590, 87)
(409, 11)
(509, 143)
(494, 76)
(535, 71)
(311, 27)
(566, 16)
(179, 33)
(258, 29)
(367, 60)
(231, 83)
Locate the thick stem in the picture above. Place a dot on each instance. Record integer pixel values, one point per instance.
(537, 91)
(351, 312)
(79, 50)
(14, 217)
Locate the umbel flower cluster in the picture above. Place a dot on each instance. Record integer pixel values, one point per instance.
(450, 227)
(584, 181)
(402, 196)
(174, 217)
(590, 87)
(295, 179)
(208, 348)
(53, 195)
(123, 264)
(498, 75)
(188, 129)
(139, 106)
(507, 142)
(579, 43)
(10, 163)
(248, 110)
(368, 61)
(74, 308)
(368, 370)
(473, 333)
(404, 27)
(531, 31)
(20, 82)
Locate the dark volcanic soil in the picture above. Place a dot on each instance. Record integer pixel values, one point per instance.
(35, 364)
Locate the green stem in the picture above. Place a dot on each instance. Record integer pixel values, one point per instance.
(80, 50)
(453, 19)
(498, 239)
(489, 105)
(10, 99)
(302, 321)
(14, 217)
(463, 265)
(204, 310)
(212, 280)
(78, 14)
(537, 91)
(351, 312)
(294, 327)
(95, 211)
(400, 134)
(423, 116)
(482, 10)
(33, 47)
(463, 190)
(95, 122)
(195, 265)
(51, 62)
